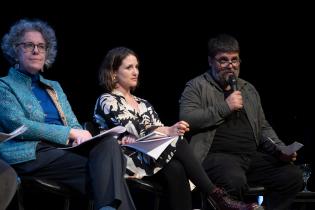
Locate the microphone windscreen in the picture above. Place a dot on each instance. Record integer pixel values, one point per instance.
(233, 82)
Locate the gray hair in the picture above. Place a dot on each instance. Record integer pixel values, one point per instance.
(17, 31)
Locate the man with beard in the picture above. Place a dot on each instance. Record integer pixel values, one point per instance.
(229, 132)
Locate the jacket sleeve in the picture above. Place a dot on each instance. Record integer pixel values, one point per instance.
(199, 107)
(14, 114)
(269, 141)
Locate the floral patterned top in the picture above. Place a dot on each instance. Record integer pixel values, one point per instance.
(112, 109)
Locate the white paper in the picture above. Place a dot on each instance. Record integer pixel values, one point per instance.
(152, 135)
(152, 147)
(290, 149)
(7, 136)
(115, 131)
(156, 152)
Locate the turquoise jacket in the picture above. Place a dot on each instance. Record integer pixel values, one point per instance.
(19, 106)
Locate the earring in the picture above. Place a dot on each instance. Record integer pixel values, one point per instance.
(16, 65)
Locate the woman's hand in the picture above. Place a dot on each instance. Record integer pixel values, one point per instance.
(79, 136)
(179, 128)
(129, 139)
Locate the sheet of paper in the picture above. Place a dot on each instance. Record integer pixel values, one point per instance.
(115, 131)
(152, 135)
(290, 149)
(7, 136)
(153, 147)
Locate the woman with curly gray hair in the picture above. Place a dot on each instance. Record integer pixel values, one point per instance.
(14, 39)
(27, 98)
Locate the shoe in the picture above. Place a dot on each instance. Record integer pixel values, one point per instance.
(223, 201)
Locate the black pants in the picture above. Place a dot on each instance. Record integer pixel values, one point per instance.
(8, 184)
(234, 172)
(176, 173)
(99, 172)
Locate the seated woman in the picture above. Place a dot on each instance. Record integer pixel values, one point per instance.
(41, 105)
(119, 75)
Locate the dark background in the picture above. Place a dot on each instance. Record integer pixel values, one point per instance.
(276, 42)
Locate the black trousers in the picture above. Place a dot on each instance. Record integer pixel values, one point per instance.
(99, 172)
(8, 184)
(235, 172)
(176, 173)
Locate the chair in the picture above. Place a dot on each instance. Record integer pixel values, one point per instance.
(305, 200)
(256, 192)
(146, 185)
(33, 184)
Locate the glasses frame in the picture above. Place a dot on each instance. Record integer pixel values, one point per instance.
(42, 48)
(226, 63)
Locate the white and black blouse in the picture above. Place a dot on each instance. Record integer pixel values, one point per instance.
(112, 110)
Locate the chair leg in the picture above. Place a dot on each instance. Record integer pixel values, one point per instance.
(207, 204)
(156, 202)
(91, 205)
(19, 196)
(66, 204)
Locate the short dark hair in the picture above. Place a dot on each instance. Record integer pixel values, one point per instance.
(222, 43)
(110, 65)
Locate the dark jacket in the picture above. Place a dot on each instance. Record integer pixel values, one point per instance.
(203, 106)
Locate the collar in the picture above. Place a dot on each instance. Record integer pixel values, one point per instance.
(34, 77)
(118, 93)
(24, 77)
(209, 77)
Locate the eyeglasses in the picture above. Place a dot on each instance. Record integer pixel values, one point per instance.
(30, 46)
(225, 63)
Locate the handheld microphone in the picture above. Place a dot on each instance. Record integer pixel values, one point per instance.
(233, 82)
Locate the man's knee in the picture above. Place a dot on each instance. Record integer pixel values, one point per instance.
(291, 177)
(296, 177)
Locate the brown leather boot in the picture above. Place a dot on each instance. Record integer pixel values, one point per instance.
(223, 201)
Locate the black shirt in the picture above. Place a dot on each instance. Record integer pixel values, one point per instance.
(235, 135)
